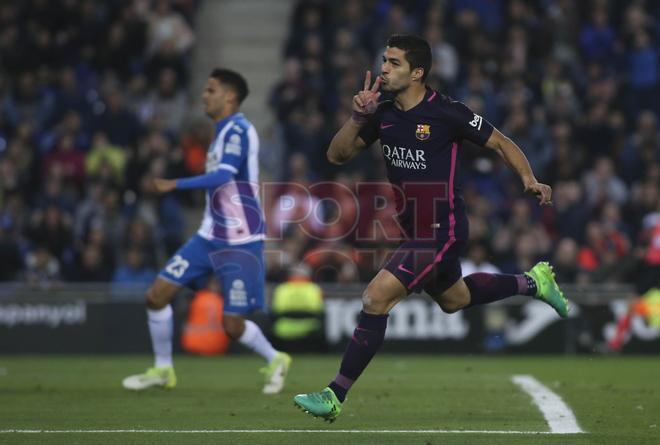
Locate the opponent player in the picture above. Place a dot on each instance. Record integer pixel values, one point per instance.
(420, 132)
(229, 242)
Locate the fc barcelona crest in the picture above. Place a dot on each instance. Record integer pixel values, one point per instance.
(423, 132)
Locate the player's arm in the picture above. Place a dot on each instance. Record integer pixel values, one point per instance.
(235, 148)
(206, 181)
(517, 161)
(347, 143)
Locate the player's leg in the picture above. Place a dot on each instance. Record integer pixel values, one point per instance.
(240, 270)
(161, 325)
(453, 293)
(380, 296)
(187, 265)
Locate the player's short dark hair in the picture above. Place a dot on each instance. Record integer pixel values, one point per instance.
(417, 51)
(233, 80)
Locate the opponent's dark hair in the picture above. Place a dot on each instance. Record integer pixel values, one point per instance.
(233, 80)
(417, 51)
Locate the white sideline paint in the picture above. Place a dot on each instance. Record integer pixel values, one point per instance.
(17, 431)
(559, 416)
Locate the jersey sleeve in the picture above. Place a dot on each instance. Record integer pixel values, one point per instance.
(234, 149)
(469, 125)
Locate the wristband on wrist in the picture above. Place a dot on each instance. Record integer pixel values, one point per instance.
(359, 118)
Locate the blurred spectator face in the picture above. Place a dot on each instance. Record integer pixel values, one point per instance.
(313, 46)
(167, 83)
(611, 213)
(134, 259)
(163, 7)
(599, 18)
(139, 232)
(42, 257)
(636, 17)
(298, 166)
(526, 246)
(566, 253)
(647, 125)
(604, 169)
(115, 101)
(595, 235)
(311, 18)
(477, 254)
(96, 236)
(27, 87)
(521, 212)
(561, 132)
(642, 39)
(292, 70)
(116, 36)
(67, 143)
(53, 217)
(68, 79)
(71, 122)
(91, 257)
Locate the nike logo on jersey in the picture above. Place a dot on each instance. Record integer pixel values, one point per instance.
(384, 125)
(405, 270)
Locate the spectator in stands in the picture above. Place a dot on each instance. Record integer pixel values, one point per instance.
(565, 261)
(477, 260)
(168, 25)
(10, 254)
(133, 269)
(602, 184)
(92, 266)
(42, 269)
(51, 228)
(117, 122)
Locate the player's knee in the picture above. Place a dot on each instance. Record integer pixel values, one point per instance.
(450, 306)
(373, 301)
(454, 304)
(154, 299)
(233, 326)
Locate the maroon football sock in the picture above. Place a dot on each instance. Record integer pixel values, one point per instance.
(367, 338)
(488, 287)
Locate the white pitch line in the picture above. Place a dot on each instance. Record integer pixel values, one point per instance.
(19, 431)
(558, 415)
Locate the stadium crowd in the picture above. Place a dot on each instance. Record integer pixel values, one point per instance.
(93, 97)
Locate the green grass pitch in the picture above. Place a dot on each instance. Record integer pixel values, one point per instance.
(616, 400)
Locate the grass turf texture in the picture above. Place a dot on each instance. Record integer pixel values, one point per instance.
(615, 400)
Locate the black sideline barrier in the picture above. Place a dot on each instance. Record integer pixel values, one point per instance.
(94, 319)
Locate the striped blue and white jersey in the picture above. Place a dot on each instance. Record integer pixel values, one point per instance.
(233, 213)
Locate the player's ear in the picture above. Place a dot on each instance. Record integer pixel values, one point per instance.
(417, 73)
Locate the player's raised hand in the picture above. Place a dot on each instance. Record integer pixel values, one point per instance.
(542, 191)
(365, 102)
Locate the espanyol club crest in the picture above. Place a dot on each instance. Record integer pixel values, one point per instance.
(423, 132)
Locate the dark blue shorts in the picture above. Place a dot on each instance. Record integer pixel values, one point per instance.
(433, 266)
(240, 270)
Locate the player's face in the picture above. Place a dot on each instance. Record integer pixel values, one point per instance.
(214, 98)
(395, 71)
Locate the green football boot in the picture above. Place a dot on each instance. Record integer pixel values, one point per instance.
(275, 373)
(163, 377)
(322, 404)
(547, 289)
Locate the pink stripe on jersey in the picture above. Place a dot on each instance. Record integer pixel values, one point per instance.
(452, 171)
(432, 96)
(452, 220)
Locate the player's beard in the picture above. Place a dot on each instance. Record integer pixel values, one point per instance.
(393, 89)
